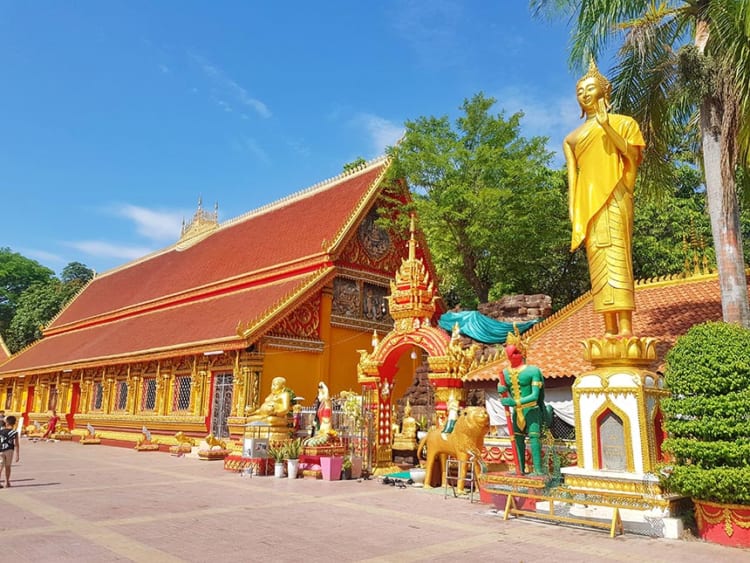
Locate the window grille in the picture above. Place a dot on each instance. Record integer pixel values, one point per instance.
(149, 394)
(561, 430)
(8, 398)
(52, 400)
(96, 400)
(181, 393)
(121, 397)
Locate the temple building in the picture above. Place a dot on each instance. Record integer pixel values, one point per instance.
(189, 338)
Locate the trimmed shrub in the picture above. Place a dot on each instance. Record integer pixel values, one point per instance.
(707, 418)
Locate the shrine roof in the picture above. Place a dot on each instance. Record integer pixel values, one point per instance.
(295, 234)
(665, 309)
(4, 352)
(196, 326)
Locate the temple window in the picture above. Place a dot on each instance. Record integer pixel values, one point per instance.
(8, 398)
(121, 395)
(148, 402)
(181, 393)
(97, 396)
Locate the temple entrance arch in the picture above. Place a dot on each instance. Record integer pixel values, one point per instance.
(412, 307)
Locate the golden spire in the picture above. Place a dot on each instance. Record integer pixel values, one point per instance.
(412, 299)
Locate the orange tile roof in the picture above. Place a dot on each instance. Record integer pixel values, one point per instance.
(288, 233)
(197, 326)
(4, 352)
(664, 309)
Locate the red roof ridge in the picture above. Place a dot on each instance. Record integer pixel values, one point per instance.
(306, 192)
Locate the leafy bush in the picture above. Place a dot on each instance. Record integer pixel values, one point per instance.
(707, 418)
(294, 448)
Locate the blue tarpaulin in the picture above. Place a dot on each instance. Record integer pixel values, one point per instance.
(480, 327)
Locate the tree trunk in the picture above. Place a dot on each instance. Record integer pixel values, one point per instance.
(723, 211)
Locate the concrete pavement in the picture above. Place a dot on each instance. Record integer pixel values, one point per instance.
(70, 502)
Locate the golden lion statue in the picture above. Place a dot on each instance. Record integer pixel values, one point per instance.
(467, 438)
(182, 439)
(212, 442)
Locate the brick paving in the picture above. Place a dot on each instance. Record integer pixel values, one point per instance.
(70, 502)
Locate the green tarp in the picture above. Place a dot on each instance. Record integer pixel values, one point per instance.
(480, 327)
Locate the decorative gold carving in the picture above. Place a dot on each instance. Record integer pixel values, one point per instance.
(303, 322)
(200, 226)
(374, 239)
(632, 351)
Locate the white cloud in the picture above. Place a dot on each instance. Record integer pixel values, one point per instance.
(155, 225)
(226, 87)
(431, 28)
(554, 117)
(253, 147)
(381, 131)
(102, 249)
(44, 257)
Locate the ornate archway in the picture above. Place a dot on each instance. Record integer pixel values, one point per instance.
(412, 306)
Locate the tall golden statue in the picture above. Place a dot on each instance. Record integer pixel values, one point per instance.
(603, 156)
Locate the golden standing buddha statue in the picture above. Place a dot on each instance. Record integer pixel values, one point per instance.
(603, 156)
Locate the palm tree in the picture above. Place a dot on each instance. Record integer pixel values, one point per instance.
(682, 62)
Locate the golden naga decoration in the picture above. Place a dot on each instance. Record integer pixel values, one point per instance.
(217, 449)
(184, 444)
(465, 443)
(146, 443)
(91, 437)
(603, 156)
(412, 299)
(213, 442)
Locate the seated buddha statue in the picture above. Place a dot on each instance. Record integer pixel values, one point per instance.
(407, 438)
(275, 407)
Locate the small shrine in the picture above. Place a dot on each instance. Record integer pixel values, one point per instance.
(412, 307)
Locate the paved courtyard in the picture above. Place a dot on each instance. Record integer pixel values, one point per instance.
(96, 503)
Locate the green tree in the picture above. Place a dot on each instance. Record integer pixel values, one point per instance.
(488, 203)
(17, 273)
(682, 62)
(36, 307)
(76, 273)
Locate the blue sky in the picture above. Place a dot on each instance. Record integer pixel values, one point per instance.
(117, 116)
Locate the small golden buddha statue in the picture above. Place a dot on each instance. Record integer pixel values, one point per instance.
(407, 438)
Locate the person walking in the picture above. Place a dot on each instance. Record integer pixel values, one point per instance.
(9, 443)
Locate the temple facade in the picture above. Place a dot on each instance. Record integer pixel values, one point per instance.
(188, 339)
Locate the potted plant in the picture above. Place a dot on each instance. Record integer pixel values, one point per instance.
(292, 452)
(706, 419)
(346, 469)
(277, 452)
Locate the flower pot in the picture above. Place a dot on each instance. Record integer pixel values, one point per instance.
(292, 466)
(417, 475)
(278, 469)
(725, 524)
(356, 466)
(330, 467)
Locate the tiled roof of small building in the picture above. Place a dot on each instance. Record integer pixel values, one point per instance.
(665, 309)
